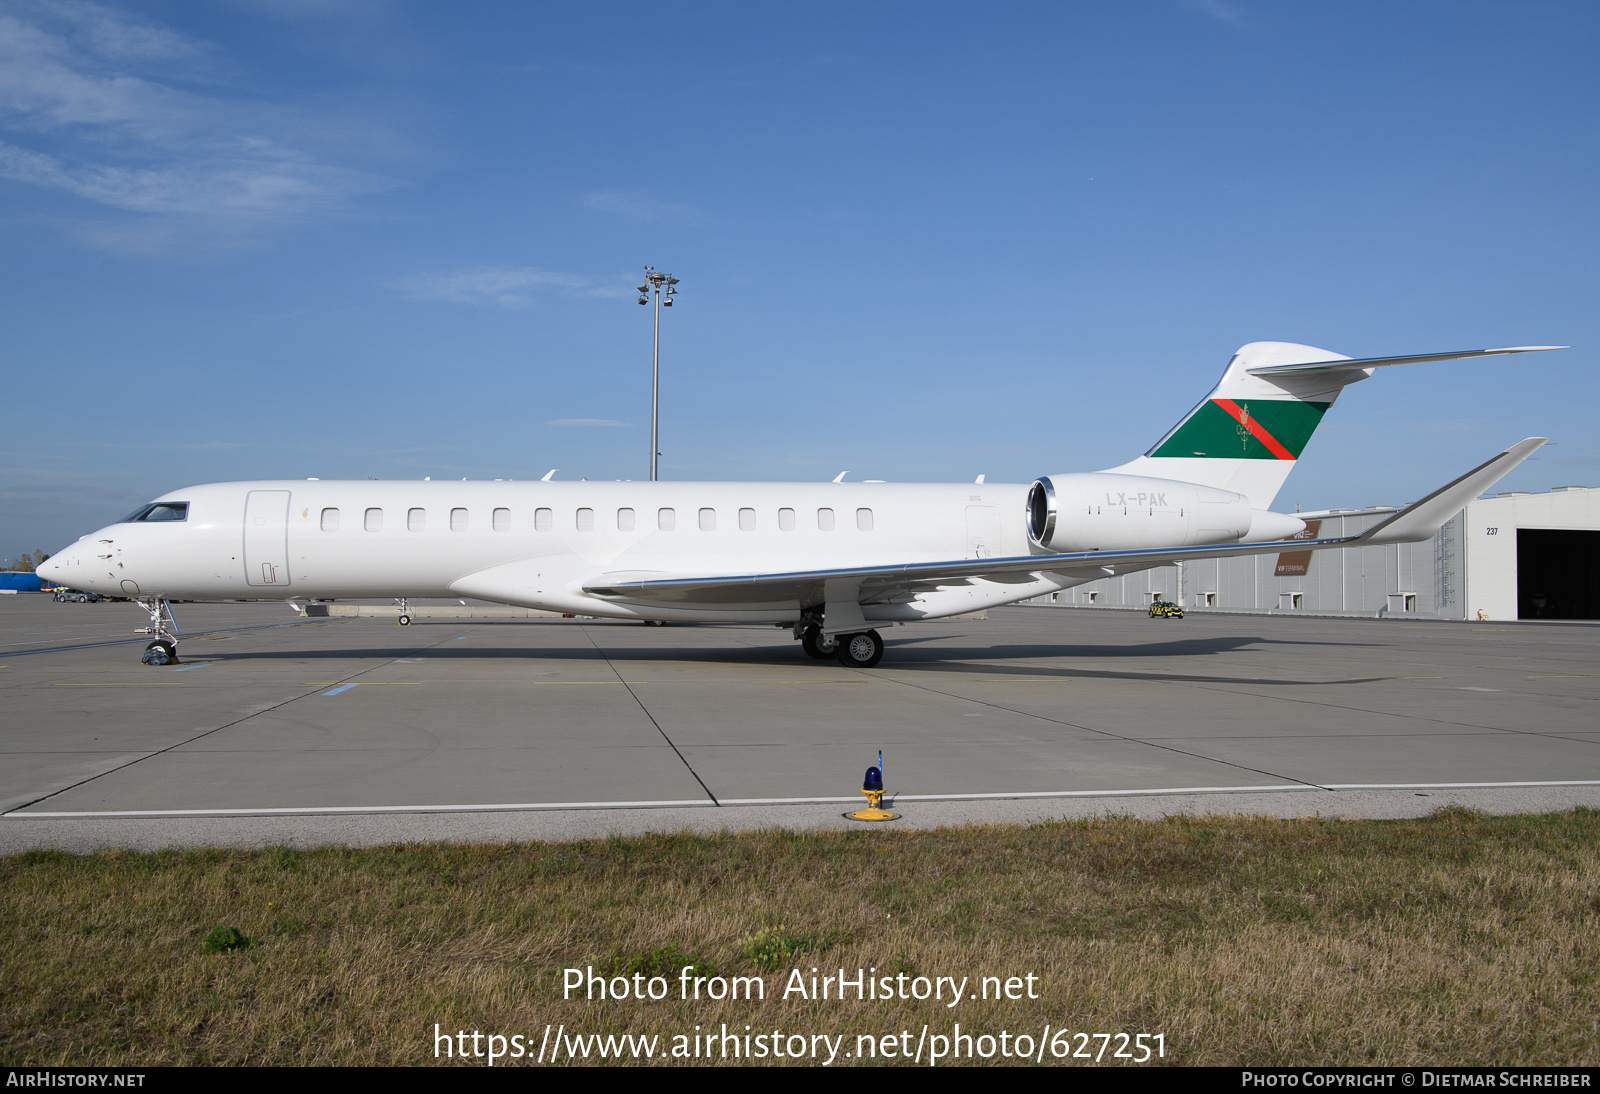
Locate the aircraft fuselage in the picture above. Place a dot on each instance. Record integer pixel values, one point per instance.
(535, 544)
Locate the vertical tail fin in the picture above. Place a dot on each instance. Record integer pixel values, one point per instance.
(1247, 434)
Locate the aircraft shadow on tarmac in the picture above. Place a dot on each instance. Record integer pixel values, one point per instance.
(996, 660)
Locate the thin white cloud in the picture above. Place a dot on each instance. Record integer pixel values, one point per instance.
(1217, 9)
(253, 179)
(503, 286)
(638, 205)
(608, 422)
(102, 105)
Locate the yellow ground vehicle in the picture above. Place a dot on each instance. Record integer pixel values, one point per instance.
(1165, 608)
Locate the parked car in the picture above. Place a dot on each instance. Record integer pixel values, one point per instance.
(78, 596)
(1166, 609)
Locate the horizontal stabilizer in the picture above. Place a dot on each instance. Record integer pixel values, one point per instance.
(1346, 364)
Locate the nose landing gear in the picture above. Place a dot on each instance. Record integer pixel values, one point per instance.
(164, 631)
(405, 611)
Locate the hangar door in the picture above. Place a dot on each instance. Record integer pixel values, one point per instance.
(266, 537)
(1557, 575)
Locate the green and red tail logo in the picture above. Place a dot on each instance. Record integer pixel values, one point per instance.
(1261, 429)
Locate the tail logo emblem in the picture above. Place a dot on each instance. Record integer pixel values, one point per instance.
(1249, 427)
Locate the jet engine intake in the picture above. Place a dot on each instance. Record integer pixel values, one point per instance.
(1041, 512)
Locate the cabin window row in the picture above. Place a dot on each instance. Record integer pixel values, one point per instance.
(544, 520)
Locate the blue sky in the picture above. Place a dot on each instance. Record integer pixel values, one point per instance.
(916, 241)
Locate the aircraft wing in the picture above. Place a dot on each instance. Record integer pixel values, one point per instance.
(870, 584)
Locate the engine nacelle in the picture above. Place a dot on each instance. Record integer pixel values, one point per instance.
(1108, 512)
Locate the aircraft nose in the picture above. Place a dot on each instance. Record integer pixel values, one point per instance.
(54, 568)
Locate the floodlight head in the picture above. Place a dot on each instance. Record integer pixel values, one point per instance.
(642, 300)
(667, 303)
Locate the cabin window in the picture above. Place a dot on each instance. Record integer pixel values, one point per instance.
(825, 520)
(585, 520)
(864, 520)
(502, 520)
(624, 520)
(708, 520)
(543, 520)
(330, 520)
(747, 520)
(786, 520)
(374, 520)
(666, 519)
(416, 520)
(458, 520)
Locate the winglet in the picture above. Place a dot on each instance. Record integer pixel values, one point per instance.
(550, 474)
(1421, 519)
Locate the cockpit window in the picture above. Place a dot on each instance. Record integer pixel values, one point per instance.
(159, 510)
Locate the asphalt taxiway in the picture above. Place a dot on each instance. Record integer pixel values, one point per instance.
(280, 730)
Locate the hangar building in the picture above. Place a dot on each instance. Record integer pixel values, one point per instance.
(1515, 555)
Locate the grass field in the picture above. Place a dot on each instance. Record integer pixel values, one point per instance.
(1459, 938)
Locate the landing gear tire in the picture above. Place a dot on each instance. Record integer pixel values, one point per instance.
(816, 644)
(160, 653)
(860, 651)
(655, 622)
(404, 621)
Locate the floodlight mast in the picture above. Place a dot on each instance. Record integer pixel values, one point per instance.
(654, 280)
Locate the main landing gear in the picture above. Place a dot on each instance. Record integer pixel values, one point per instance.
(853, 651)
(405, 611)
(816, 644)
(163, 629)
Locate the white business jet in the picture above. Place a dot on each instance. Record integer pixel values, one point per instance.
(834, 561)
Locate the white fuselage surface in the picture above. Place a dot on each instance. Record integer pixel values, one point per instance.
(536, 544)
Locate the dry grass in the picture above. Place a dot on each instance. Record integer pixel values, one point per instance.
(1459, 938)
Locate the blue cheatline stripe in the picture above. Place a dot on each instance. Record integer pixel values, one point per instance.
(186, 668)
(341, 687)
